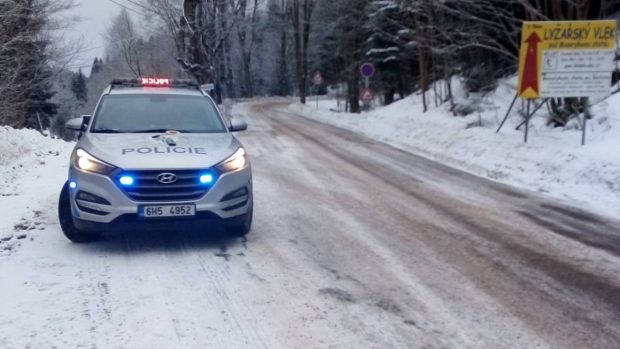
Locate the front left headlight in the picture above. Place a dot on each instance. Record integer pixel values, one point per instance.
(235, 162)
(86, 162)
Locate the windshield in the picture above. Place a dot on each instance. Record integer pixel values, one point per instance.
(133, 113)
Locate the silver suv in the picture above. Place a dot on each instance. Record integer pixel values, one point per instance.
(157, 154)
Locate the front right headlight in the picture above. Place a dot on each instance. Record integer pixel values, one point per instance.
(235, 162)
(86, 162)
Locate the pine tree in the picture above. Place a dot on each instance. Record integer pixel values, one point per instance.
(386, 47)
(78, 86)
(97, 66)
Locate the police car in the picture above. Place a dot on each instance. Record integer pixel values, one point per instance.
(156, 154)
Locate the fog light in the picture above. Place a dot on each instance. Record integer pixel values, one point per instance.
(72, 184)
(236, 194)
(126, 180)
(84, 196)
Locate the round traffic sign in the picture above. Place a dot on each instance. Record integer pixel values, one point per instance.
(367, 69)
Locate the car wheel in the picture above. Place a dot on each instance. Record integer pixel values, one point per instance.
(241, 226)
(65, 218)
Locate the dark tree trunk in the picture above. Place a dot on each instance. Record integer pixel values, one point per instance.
(401, 87)
(226, 72)
(282, 67)
(230, 87)
(198, 64)
(301, 33)
(301, 83)
(246, 41)
(423, 61)
(388, 97)
(353, 92)
(247, 75)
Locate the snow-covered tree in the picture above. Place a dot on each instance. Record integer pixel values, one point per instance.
(388, 47)
(25, 73)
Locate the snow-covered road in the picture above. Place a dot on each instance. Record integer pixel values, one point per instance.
(355, 245)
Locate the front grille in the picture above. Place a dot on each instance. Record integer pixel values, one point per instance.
(146, 187)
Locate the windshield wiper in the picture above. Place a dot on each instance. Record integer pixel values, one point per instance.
(157, 130)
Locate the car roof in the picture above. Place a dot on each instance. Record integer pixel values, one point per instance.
(155, 90)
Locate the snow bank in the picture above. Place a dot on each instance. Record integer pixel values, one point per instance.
(15, 144)
(32, 170)
(552, 162)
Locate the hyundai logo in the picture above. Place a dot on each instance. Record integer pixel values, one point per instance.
(166, 178)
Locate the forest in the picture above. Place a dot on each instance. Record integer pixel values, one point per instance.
(251, 48)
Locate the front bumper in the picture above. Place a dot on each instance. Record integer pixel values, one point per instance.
(216, 204)
(133, 223)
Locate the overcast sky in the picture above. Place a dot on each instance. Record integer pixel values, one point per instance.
(96, 16)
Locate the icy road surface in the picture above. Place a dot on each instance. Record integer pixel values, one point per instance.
(355, 245)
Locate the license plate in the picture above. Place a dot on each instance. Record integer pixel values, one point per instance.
(156, 211)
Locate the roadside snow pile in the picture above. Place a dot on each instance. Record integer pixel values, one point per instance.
(15, 144)
(32, 170)
(552, 162)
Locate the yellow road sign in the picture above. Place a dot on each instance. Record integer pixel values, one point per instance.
(566, 59)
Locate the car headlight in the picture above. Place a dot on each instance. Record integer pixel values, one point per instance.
(86, 162)
(235, 162)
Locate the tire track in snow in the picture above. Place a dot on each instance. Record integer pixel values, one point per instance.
(235, 305)
(141, 277)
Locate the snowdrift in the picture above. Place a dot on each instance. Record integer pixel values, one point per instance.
(32, 171)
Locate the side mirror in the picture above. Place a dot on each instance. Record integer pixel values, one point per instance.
(78, 124)
(75, 124)
(238, 125)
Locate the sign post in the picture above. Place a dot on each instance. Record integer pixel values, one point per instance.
(317, 80)
(586, 116)
(566, 59)
(367, 70)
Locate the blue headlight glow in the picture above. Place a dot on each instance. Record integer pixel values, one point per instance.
(126, 180)
(206, 178)
(72, 184)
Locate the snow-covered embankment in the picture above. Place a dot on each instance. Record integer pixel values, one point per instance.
(32, 170)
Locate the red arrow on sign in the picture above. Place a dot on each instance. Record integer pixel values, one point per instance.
(530, 70)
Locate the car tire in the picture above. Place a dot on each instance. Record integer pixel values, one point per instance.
(65, 217)
(242, 225)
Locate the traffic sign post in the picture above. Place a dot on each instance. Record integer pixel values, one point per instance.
(367, 70)
(565, 59)
(317, 80)
(586, 116)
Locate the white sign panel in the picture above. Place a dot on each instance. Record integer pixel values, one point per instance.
(576, 73)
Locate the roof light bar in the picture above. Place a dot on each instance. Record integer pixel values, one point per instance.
(153, 82)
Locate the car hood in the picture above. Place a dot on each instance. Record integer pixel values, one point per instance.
(133, 151)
